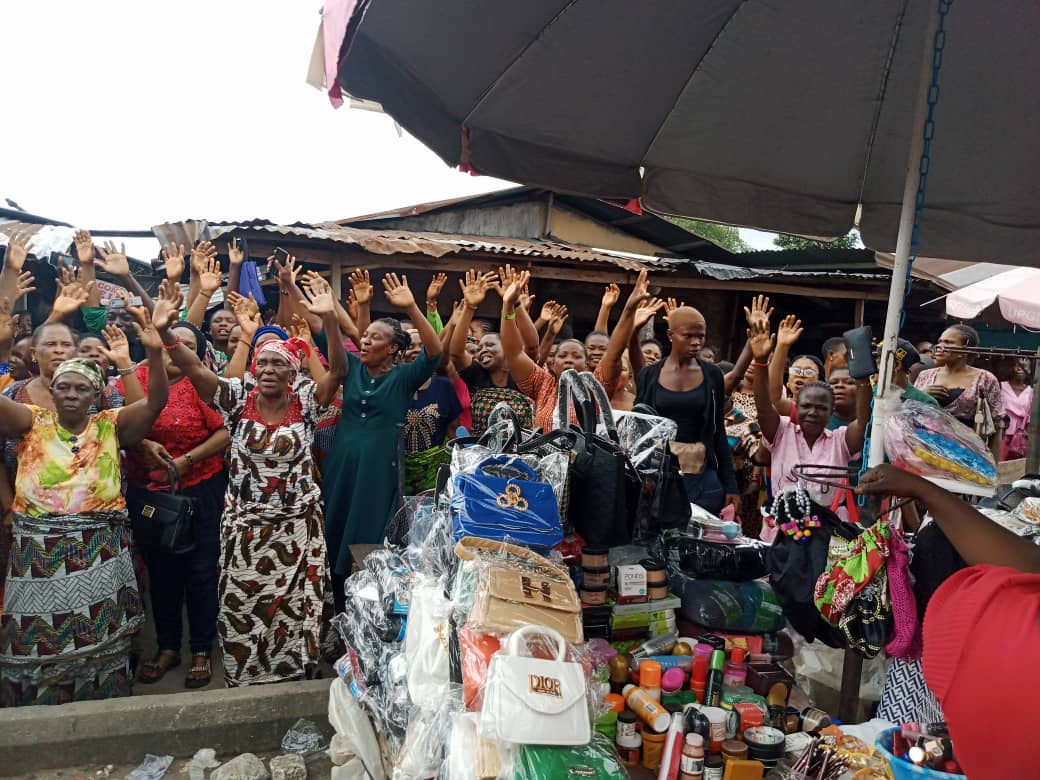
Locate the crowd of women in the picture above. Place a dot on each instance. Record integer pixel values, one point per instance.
(294, 439)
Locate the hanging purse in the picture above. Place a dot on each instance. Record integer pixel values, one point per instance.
(605, 486)
(504, 500)
(163, 519)
(534, 701)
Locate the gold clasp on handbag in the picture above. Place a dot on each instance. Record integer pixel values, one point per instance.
(512, 498)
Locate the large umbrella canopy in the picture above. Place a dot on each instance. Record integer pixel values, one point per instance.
(1016, 292)
(785, 116)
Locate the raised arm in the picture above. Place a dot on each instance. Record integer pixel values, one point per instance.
(361, 284)
(610, 365)
(399, 295)
(433, 294)
(761, 341)
(85, 255)
(786, 337)
(645, 311)
(520, 364)
(528, 333)
(15, 418)
(167, 309)
(247, 314)
(114, 262)
(72, 296)
(14, 261)
(210, 279)
(974, 536)
(322, 304)
(235, 259)
(299, 329)
(136, 419)
(118, 353)
(343, 318)
(611, 295)
(557, 317)
(734, 377)
(857, 430)
(23, 286)
(474, 289)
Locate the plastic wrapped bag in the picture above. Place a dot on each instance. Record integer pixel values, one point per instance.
(640, 434)
(426, 643)
(928, 441)
(422, 753)
(354, 733)
(744, 560)
(596, 761)
(729, 606)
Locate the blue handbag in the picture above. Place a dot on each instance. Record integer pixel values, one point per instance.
(503, 500)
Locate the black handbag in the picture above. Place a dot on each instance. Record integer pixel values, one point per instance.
(605, 486)
(663, 503)
(163, 520)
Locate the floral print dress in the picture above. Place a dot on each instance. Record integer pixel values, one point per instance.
(273, 570)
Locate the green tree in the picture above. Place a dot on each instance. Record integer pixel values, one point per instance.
(848, 241)
(726, 236)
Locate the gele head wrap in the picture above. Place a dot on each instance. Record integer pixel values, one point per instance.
(85, 368)
(286, 349)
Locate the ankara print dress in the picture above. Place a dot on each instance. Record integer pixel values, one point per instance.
(273, 573)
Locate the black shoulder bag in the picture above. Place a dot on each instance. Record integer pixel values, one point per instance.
(163, 519)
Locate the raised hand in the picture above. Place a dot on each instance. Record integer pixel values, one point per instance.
(507, 275)
(888, 480)
(71, 297)
(167, 306)
(288, 272)
(17, 251)
(511, 292)
(200, 254)
(235, 254)
(173, 256)
(761, 341)
(84, 247)
(611, 295)
(526, 299)
(647, 310)
(66, 277)
(398, 294)
(547, 311)
(147, 332)
(24, 285)
(558, 318)
(298, 328)
(113, 261)
(247, 313)
(361, 284)
(789, 331)
(475, 287)
(118, 351)
(210, 277)
(671, 305)
(433, 292)
(351, 305)
(640, 292)
(319, 293)
(7, 324)
(760, 310)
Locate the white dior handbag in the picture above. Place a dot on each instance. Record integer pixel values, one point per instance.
(533, 701)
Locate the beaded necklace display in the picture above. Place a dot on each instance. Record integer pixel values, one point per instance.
(792, 511)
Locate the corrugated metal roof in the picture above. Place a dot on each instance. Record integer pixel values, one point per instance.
(389, 242)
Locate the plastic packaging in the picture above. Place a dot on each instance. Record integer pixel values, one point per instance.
(305, 739)
(354, 733)
(425, 643)
(594, 761)
(203, 760)
(929, 441)
(729, 606)
(741, 559)
(152, 768)
(422, 754)
(640, 434)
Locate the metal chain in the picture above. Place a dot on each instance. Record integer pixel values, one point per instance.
(923, 166)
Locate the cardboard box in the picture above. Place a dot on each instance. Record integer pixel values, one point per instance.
(630, 582)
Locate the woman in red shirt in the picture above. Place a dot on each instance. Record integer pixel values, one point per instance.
(192, 435)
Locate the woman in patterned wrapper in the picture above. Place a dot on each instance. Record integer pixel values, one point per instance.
(273, 573)
(72, 601)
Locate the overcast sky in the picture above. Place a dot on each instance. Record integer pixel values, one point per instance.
(122, 115)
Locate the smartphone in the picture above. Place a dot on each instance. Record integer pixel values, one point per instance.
(21, 306)
(281, 255)
(61, 260)
(136, 301)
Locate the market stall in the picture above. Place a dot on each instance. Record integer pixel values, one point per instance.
(541, 615)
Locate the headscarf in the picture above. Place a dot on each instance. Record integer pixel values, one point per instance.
(263, 331)
(290, 350)
(200, 338)
(86, 368)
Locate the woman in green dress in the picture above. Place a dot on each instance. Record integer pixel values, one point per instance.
(360, 471)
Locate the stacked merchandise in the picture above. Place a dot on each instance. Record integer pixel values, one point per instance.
(469, 653)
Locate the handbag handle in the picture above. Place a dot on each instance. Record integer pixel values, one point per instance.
(599, 394)
(571, 395)
(174, 477)
(504, 413)
(513, 647)
(562, 440)
(509, 460)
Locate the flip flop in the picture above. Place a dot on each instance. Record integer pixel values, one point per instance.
(201, 672)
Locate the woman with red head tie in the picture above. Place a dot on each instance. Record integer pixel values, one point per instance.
(273, 570)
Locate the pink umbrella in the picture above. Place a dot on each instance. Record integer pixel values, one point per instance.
(1017, 291)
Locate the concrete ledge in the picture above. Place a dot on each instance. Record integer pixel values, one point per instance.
(121, 731)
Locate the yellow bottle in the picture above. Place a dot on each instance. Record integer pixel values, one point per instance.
(651, 712)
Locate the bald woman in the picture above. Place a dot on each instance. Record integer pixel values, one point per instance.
(691, 391)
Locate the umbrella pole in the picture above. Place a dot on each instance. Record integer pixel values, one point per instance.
(848, 701)
(1033, 434)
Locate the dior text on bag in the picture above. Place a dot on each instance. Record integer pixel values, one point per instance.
(534, 701)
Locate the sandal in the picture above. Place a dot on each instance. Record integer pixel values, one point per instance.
(156, 669)
(201, 672)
